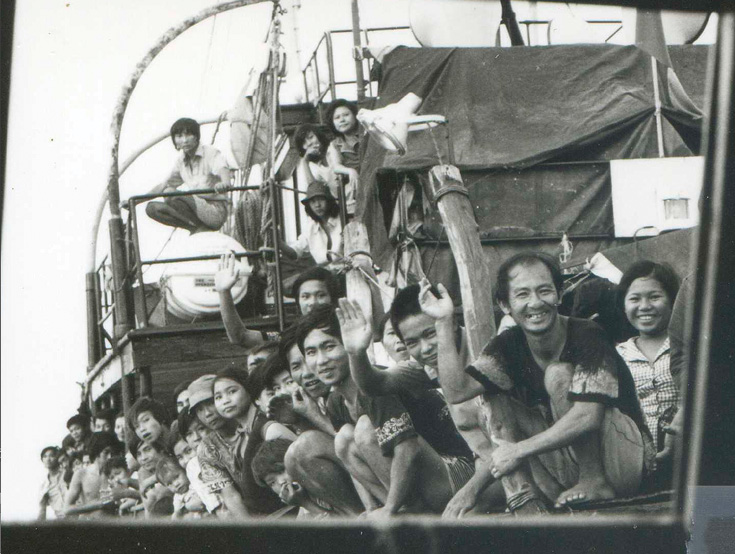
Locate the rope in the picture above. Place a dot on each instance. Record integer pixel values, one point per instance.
(206, 62)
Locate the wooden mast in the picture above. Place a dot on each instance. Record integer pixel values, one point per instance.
(446, 189)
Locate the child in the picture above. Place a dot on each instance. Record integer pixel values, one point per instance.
(185, 453)
(187, 504)
(269, 470)
(121, 486)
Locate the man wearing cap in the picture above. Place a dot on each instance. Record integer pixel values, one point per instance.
(322, 234)
(53, 488)
(214, 445)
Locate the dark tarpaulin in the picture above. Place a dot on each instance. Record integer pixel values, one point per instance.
(518, 107)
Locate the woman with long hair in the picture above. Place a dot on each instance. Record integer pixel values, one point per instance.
(322, 233)
(343, 153)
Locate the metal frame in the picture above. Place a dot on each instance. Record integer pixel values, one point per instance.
(709, 411)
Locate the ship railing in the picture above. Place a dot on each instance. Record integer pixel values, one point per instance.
(325, 51)
(317, 91)
(136, 263)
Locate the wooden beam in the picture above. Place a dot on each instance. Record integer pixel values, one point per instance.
(448, 191)
(367, 295)
(445, 187)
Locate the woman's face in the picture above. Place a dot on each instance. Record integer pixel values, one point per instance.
(318, 206)
(344, 120)
(120, 429)
(393, 345)
(648, 306)
(230, 398)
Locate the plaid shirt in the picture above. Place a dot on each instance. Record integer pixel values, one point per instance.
(654, 383)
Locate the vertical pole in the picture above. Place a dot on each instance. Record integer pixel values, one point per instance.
(657, 107)
(357, 52)
(275, 226)
(508, 19)
(146, 383)
(93, 343)
(127, 384)
(275, 192)
(138, 268)
(330, 66)
(710, 415)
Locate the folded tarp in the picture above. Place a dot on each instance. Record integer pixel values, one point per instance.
(518, 107)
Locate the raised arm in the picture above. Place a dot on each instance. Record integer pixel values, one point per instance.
(357, 334)
(458, 387)
(225, 278)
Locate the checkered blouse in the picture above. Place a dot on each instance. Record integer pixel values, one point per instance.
(654, 383)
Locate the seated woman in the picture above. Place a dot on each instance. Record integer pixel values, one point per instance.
(312, 142)
(343, 152)
(199, 167)
(322, 233)
(647, 292)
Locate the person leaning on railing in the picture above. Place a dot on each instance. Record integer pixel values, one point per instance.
(200, 166)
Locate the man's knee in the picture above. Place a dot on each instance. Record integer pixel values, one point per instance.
(343, 442)
(365, 433)
(304, 448)
(152, 209)
(558, 379)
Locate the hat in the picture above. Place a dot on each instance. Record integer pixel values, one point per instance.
(315, 190)
(200, 390)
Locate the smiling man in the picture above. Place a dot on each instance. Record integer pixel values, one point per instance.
(403, 448)
(555, 386)
(199, 167)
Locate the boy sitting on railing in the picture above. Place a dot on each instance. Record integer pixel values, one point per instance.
(199, 167)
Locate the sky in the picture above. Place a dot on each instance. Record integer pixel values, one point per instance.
(70, 61)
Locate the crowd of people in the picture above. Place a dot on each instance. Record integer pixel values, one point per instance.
(550, 414)
(311, 427)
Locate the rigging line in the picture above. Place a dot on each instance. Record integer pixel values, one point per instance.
(436, 250)
(165, 244)
(207, 61)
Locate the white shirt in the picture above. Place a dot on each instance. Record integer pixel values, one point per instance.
(313, 239)
(211, 500)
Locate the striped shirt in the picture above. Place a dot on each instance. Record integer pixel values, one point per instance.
(654, 383)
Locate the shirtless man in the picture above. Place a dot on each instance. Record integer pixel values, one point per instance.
(557, 390)
(88, 482)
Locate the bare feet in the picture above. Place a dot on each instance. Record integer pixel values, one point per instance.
(584, 492)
